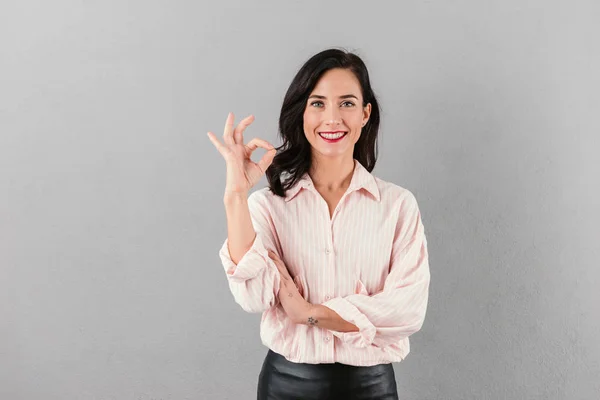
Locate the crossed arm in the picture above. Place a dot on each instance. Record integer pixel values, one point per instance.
(260, 281)
(301, 311)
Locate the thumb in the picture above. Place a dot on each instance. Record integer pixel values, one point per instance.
(267, 159)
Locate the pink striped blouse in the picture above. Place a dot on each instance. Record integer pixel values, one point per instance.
(368, 263)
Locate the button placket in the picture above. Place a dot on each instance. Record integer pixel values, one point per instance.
(330, 267)
(330, 290)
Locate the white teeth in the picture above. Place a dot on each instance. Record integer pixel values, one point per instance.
(332, 135)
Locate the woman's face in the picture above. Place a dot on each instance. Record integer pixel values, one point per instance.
(334, 115)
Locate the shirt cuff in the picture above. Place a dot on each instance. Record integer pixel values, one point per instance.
(366, 330)
(255, 259)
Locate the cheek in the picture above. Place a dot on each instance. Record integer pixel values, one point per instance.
(355, 121)
(310, 121)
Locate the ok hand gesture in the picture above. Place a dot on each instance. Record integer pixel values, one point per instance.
(242, 172)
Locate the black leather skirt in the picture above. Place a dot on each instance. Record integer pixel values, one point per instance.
(281, 379)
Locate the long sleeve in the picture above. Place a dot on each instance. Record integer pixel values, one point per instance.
(254, 281)
(399, 309)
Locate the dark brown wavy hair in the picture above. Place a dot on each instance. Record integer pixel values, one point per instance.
(294, 156)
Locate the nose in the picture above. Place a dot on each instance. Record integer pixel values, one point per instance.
(334, 117)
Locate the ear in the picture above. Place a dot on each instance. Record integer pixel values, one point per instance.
(366, 114)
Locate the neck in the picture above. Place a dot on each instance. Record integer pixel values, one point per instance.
(331, 173)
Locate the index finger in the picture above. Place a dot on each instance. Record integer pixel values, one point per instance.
(282, 269)
(238, 133)
(272, 253)
(228, 131)
(256, 143)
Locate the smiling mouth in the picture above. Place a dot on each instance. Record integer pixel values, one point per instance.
(332, 136)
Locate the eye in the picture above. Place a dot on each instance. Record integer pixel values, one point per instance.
(317, 103)
(349, 104)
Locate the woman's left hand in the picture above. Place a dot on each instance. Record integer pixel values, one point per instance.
(290, 296)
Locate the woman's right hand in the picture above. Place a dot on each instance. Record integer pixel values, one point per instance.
(242, 172)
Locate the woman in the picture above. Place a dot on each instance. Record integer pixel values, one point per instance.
(335, 258)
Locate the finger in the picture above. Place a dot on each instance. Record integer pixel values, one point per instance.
(282, 287)
(283, 271)
(268, 157)
(216, 142)
(273, 255)
(228, 131)
(286, 282)
(238, 133)
(280, 266)
(256, 143)
(298, 283)
(266, 160)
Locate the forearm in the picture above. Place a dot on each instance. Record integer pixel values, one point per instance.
(324, 317)
(240, 231)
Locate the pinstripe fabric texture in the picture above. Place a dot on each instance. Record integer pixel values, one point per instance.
(368, 262)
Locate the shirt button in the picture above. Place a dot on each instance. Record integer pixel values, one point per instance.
(327, 251)
(327, 338)
(328, 297)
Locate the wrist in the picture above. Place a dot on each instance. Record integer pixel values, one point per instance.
(310, 314)
(231, 198)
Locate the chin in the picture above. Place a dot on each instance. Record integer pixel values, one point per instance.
(330, 153)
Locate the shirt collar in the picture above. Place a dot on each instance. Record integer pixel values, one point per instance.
(361, 179)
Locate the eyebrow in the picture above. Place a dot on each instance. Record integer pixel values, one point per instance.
(346, 96)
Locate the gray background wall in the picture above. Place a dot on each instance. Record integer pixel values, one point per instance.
(111, 209)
